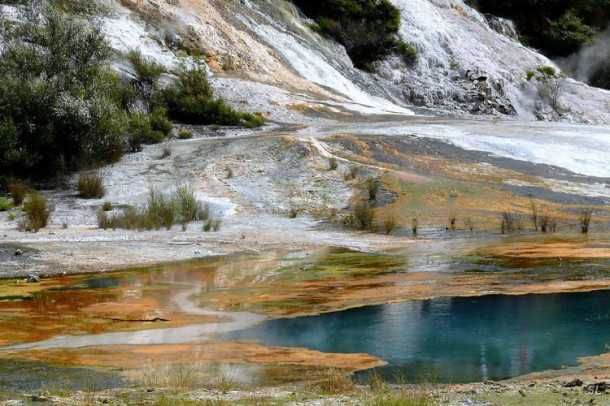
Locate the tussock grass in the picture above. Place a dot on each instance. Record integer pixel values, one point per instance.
(90, 186)
(403, 398)
(19, 191)
(585, 220)
(414, 224)
(166, 151)
(37, 212)
(183, 377)
(332, 164)
(335, 381)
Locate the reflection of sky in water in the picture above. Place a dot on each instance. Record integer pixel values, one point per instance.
(456, 339)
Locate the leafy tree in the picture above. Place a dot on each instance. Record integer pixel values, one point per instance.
(57, 101)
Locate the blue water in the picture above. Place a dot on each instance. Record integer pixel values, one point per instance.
(456, 339)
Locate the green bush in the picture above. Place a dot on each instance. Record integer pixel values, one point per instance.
(184, 134)
(147, 72)
(57, 100)
(190, 99)
(367, 28)
(557, 28)
(141, 131)
(5, 204)
(37, 212)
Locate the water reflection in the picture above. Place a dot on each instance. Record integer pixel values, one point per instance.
(456, 339)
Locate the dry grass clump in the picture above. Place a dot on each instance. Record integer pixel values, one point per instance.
(333, 381)
(184, 377)
(90, 186)
(585, 220)
(160, 211)
(403, 397)
(37, 211)
(19, 191)
(414, 224)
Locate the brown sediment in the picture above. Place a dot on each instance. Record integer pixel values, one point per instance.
(214, 351)
(551, 249)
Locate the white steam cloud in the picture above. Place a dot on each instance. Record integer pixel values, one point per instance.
(583, 64)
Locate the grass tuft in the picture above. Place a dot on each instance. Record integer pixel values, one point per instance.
(585, 220)
(19, 191)
(332, 164)
(90, 186)
(5, 204)
(37, 212)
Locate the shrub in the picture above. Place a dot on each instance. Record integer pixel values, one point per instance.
(351, 174)
(184, 134)
(141, 132)
(509, 222)
(57, 97)
(190, 99)
(363, 213)
(389, 224)
(160, 122)
(551, 83)
(293, 213)
(90, 186)
(585, 220)
(366, 28)
(37, 212)
(229, 172)
(547, 223)
(107, 206)
(5, 204)
(332, 164)
(147, 72)
(18, 192)
(372, 187)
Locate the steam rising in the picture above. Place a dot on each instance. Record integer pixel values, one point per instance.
(583, 64)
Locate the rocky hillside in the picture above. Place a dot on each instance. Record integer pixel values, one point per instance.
(265, 57)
